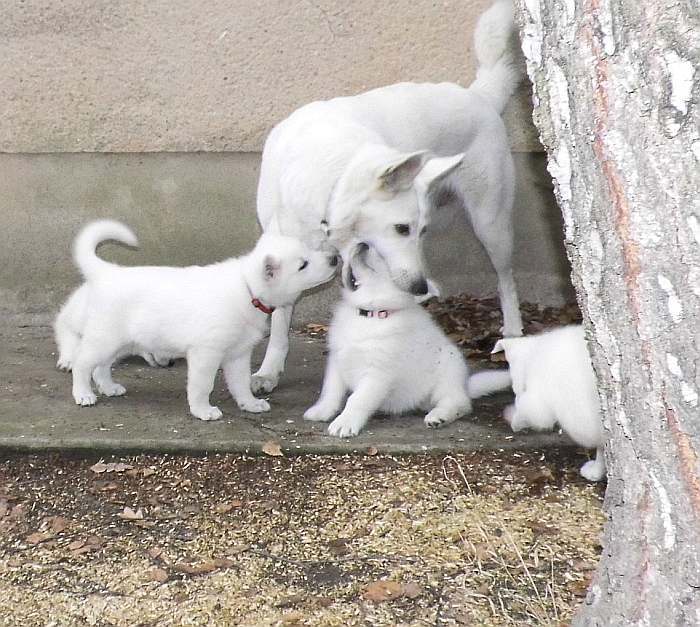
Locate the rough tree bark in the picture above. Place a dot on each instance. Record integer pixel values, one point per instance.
(616, 89)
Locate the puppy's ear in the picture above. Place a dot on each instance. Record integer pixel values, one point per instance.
(399, 175)
(271, 267)
(437, 169)
(499, 347)
(348, 277)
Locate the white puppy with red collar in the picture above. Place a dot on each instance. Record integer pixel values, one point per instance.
(211, 315)
(388, 353)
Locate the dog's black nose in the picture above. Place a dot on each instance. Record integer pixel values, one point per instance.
(333, 260)
(419, 287)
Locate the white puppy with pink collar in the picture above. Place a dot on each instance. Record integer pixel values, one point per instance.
(388, 353)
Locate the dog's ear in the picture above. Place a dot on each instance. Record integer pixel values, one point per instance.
(400, 174)
(357, 256)
(437, 169)
(499, 347)
(271, 267)
(348, 277)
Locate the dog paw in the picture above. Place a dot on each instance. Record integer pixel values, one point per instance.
(592, 470)
(64, 364)
(263, 383)
(115, 389)
(85, 400)
(438, 417)
(343, 427)
(208, 413)
(319, 413)
(256, 406)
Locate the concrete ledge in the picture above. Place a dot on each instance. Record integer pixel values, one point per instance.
(38, 413)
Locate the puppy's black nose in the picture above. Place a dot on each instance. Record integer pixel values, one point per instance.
(419, 287)
(333, 260)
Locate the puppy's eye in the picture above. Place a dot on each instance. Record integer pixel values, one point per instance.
(402, 229)
(303, 265)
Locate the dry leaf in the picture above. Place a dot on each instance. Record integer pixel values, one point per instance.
(147, 472)
(99, 468)
(292, 618)
(372, 450)
(272, 448)
(76, 544)
(225, 508)
(155, 552)
(39, 537)
(57, 523)
(130, 514)
(380, 591)
(158, 574)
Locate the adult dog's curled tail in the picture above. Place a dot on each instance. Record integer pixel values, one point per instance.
(488, 382)
(91, 236)
(500, 69)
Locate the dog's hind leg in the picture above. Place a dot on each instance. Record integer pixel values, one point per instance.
(237, 375)
(594, 470)
(67, 342)
(332, 394)
(268, 375)
(102, 376)
(91, 355)
(202, 366)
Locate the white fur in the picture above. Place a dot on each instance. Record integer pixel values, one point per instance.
(366, 163)
(393, 364)
(202, 313)
(68, 329)
(553, 381)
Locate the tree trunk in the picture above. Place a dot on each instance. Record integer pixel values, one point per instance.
(616, 103)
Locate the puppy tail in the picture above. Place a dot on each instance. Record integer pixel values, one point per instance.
(91, 237)
(488, 382)
(501, 67)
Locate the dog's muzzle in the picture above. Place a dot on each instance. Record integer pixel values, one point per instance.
(418, 287)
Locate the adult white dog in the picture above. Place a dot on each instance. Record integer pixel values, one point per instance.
(387, 351)
(369, 167)
(212, 315)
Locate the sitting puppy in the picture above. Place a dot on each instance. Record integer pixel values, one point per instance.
(387, 351)
(68, 329)
(212, 315)
(553, 381)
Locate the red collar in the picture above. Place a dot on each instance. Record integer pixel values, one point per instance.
(374, 313)
(259, 305)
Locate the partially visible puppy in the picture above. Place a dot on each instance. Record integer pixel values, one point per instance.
(68, 331)
(212, 315)
(386, 350)
(553, 381)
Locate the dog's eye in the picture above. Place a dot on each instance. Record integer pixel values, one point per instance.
(303, 265)
(403, 229)
(424, 230)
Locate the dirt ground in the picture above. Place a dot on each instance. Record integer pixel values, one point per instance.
(483, 538)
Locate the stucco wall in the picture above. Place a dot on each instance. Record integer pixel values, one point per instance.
(177, 75)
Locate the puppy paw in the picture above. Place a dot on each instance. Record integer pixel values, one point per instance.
(256, 406)
(64, 363)
(508, 414)
(344, 427)
(319, 413)
(85, 400)
(438, 417)
(208, 413)
(115, 389)
(263, 383)
(593, 471)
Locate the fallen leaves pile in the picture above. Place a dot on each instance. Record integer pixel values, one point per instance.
(492, 538)
(474, 324)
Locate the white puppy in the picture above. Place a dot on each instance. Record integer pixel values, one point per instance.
(212, 315)
(371, 167)
(68, 330)
(387, 351)
(553, 381)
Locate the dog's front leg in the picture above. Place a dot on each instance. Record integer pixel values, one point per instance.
(202, 366)
(237, 375)
(332, 394)
(362, 403)
(268, 375)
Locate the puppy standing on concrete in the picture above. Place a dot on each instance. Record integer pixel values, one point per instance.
(371, 167)
(212, 315)
(387, 351)
(554, 382)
